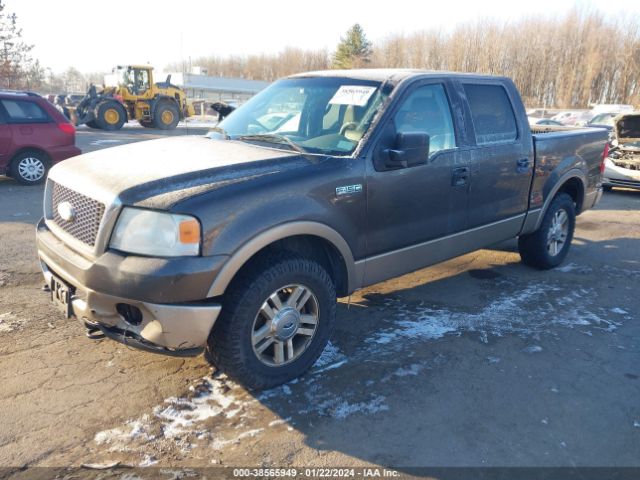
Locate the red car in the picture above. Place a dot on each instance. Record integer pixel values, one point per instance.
(34, 135)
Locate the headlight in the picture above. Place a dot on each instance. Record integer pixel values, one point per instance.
(161, 234)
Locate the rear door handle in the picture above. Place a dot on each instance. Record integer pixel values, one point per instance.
(459, 176)
(523, 165)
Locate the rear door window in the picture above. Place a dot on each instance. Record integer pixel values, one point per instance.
(23, 111)
(492, 114)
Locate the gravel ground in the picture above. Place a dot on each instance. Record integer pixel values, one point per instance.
(478, 361)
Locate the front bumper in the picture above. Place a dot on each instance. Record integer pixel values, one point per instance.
(174, 328)
(615, 176)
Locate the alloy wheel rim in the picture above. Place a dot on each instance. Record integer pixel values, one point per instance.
(285, 325)
(558, 233)
(31, 169)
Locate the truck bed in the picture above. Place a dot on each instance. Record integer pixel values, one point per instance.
(565, 148)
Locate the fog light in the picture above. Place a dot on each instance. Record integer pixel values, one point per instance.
(132, 315)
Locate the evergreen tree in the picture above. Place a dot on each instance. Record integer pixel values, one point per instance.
(354, 50)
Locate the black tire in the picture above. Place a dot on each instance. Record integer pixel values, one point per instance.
(230, 346)
(535, 248)
(110, 115)
(30, 167)
(166, 115)
(92, 124)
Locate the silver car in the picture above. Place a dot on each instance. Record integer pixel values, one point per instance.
(622, 164)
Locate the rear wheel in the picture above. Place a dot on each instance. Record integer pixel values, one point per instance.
(30, 168)
(92, 124)
(276, 319)
(166, 116)
(110, 115)
(548, 246)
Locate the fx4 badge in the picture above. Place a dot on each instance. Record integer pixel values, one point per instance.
(348, 190)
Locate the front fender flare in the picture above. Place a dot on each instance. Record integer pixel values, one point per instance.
(257, 243)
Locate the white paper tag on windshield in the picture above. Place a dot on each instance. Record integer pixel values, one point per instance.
(357, 95)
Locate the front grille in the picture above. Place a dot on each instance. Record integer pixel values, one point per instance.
(88, 214)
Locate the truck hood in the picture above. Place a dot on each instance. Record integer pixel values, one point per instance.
(159, 173)
(627, 130)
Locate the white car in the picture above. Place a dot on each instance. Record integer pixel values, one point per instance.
(622, 164)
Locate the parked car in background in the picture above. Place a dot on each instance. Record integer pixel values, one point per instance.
(543, 121)
(603, 120)
(622, 165)
(597, 109)
(34, 135)
(570, 117)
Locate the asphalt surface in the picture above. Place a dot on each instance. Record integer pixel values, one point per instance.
(479, 361)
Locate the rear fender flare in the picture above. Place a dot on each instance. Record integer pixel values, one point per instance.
(573, 173)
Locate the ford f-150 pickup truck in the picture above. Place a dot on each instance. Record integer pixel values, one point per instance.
(239, 242)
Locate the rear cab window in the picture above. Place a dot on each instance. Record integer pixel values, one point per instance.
(24, 111)
(494, 120)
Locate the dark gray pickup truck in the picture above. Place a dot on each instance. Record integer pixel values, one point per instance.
(239, 242)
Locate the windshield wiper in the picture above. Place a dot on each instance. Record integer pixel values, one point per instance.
(273, 138)
(221, 131)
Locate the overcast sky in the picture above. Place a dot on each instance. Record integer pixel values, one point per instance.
(95, 36)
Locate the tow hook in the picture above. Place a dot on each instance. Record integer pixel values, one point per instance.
(93, 331)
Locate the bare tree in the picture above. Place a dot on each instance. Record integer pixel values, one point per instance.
(17, 69)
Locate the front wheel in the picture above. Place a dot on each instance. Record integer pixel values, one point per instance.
(548, 246)
(111, 115)
(166, 116)
(275, 321)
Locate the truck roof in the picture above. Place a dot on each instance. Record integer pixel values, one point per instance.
(384, 74)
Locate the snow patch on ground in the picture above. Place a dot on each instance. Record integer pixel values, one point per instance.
(339, 408)
(331, 355)
(180, 420)
(118, 438)
(410, 370)
(533, 349)
(180, 415)
(10, 322)
(618, 311)
(105, 142)
(509, 313)
(219, 444)
(572, 267)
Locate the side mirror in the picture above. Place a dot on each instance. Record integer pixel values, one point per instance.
(411, 149)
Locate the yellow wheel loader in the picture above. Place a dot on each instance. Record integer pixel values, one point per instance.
(134, 96)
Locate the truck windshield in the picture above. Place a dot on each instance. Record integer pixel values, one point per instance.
(327, 115)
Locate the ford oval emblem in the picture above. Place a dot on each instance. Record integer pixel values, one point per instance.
(66, 211)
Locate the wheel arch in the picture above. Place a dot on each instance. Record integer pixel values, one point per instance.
(573, 183)
(304, 237)
(29, 148)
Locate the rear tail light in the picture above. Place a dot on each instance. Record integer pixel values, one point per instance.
(67, 128)
(605, 154)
